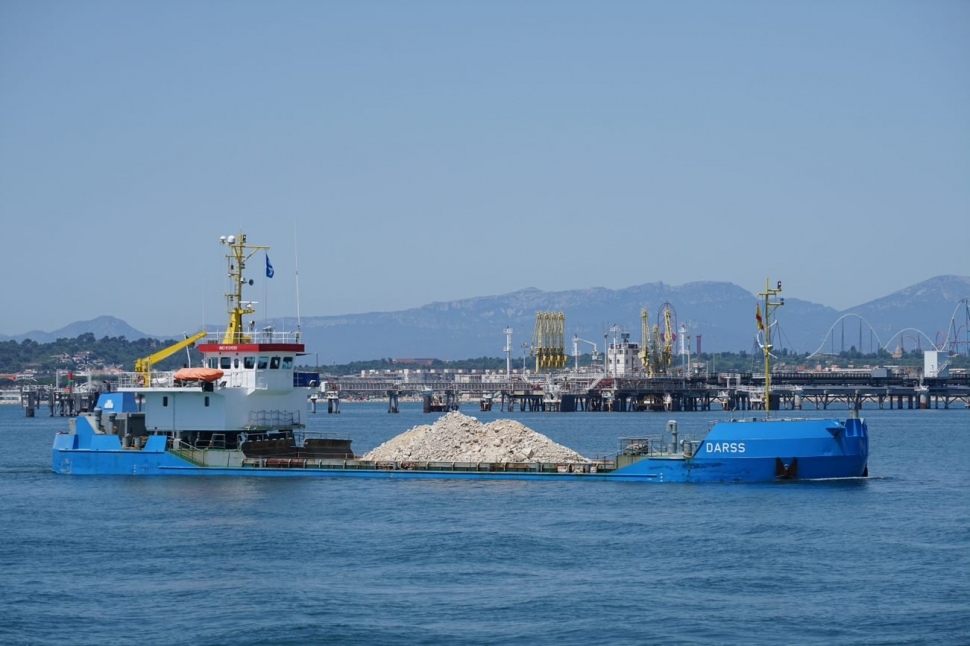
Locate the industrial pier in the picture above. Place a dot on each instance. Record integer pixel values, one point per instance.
(642, 377)
(569, 392)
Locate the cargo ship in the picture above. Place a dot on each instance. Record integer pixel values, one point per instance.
(242, 413)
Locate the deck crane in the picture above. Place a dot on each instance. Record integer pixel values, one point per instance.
(144, 366)
(594, 356)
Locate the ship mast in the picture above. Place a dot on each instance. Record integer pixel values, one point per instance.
(765, 326)
(239, 253)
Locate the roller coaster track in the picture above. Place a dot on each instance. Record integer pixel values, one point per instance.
(862, 319)
(959, 326)
(919, 334)
(952, 342)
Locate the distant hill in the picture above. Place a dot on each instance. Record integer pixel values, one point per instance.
(721, 313)
(100, 327)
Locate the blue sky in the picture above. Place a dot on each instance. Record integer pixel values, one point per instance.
(401, 153)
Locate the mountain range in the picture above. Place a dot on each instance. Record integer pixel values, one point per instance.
(718, 316)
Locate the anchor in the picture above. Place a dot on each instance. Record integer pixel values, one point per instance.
(787, 471)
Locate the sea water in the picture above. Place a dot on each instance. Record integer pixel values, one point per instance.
(161, 560)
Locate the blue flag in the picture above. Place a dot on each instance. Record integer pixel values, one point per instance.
(269, 268)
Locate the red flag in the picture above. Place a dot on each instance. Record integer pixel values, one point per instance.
(757, 315)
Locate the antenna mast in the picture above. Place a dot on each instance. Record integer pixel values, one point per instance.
(235, 305)
(296, 258)
(769, 304)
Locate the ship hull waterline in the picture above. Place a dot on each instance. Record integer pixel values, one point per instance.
(732, 452)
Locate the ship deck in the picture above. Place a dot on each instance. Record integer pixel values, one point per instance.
(596, 466)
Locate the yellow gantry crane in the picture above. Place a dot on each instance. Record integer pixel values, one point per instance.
(548, 340)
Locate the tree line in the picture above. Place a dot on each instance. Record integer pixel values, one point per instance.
(84, 352)
(87, 353)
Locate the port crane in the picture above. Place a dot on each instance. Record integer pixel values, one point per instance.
(648, 350)
(667, 349)
(547, 340)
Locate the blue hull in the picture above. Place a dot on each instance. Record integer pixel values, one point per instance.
(747, 451)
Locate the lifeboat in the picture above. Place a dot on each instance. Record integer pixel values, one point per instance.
(198, 374)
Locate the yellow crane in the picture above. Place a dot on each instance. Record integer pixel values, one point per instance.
(548, 340)
(648, 365)
(667, 353)
(144, 366)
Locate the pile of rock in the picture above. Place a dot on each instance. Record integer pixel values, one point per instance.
(460, 438)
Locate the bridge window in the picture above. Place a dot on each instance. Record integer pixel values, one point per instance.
(263, 363)
(165, 400)
(274, 363)
(225, 363)
(249, 363)
(213, 362)
(287, 363)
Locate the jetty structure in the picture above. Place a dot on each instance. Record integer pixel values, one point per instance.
(600, 391)
(571, 392)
